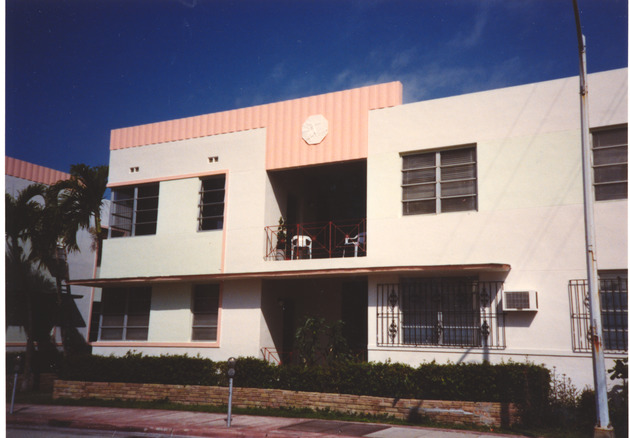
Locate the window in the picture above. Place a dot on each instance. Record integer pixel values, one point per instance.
(125, 314)
(610, 163)
(613, 296)
(212, 203)
(134, 210)
(440, 312)
(205, 312)
(439, 181)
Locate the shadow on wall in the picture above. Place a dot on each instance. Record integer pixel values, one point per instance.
(421, 415)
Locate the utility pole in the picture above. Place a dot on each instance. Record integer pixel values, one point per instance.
(603, 428)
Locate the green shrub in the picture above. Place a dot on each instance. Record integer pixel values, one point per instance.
(136, 368)
(251, 373)
(571, 409)
(618, 397)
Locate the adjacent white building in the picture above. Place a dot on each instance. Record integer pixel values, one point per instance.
(446, 230)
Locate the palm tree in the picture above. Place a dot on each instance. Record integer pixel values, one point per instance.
(85, 192)
(51, 228)
(21, 214)
(23, 284)
(69, 206)
(51, 237)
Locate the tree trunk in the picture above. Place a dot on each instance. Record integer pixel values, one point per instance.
(63, 323)
(28, 377)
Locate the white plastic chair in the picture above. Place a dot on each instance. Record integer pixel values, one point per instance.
(357, 240)
(301, 241)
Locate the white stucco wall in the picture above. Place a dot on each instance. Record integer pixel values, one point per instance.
(178, 248)
(530, 212)
(529, 179)
(170, 319)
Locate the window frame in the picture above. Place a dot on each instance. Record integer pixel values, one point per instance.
(127, 311)
(600, 164)
(118, 207)
(196, 327)
(202, 203)
(438, 181)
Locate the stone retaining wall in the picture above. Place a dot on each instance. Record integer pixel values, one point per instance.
(480, 413)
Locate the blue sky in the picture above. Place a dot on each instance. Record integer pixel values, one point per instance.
(76, 69)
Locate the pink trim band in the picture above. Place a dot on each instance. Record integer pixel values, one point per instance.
(168, 178)
(157, 344)
(33, 172)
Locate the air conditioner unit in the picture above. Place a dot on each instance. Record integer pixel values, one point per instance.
(520, 301)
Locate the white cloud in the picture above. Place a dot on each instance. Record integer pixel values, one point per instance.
(403, 59)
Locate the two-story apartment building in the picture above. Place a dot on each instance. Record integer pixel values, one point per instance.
(448, 230)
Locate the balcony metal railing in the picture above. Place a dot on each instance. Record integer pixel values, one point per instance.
(316, 240)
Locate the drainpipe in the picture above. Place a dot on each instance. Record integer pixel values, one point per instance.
(603, 427)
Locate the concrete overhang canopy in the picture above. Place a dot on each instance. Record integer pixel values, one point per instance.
(340, 272)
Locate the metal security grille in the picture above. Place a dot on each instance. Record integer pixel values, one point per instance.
(440, 312)
(613, 291)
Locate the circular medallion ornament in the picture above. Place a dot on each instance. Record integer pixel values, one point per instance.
(314, 129)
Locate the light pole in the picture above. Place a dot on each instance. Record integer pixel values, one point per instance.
(16, 370)
(602, 426)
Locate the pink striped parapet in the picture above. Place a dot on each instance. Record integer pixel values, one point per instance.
(32, 172)
(345, 111)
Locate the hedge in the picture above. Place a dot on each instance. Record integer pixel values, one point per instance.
(525, 384)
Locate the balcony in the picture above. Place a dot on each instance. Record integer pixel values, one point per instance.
(316, 240)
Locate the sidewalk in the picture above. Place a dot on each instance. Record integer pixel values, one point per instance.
(199, 424)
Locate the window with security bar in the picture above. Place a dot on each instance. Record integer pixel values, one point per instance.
(439, 181)
(211, 203)
(610, 163)
(613, 296)
(440, 312)
(134, 210)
